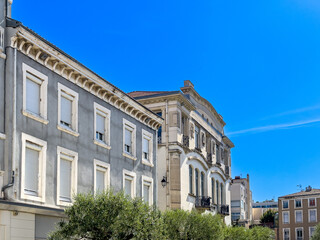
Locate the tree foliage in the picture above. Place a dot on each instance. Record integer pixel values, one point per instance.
(268, 216)
(316, 235)
(115, 216)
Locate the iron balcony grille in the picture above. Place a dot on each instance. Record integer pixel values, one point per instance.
(224, 209)
(203, 202)
(185, 141)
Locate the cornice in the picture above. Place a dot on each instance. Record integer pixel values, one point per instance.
(227, 141)
(28, 44)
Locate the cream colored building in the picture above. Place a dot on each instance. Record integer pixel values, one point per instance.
(259, 208)
(194, 163)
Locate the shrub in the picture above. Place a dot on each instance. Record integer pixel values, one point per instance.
(261, 233)
(268, 216)
(236, 233)
(316, 234)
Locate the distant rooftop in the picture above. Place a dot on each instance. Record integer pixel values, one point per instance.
(307, 192)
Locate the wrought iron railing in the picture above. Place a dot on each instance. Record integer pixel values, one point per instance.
(185, 141)
(203, 202)
(159, 139)
(224, 209)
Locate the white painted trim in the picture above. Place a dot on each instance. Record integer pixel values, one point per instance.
(98, 109)
(284, 230)
(43, 93)
(74, 174)
(133, 175)
(296, 235)
(283, 202)
(147, 135)
(309, 210)
(2, 136)
(295, 216)
(149, 182)
(75, 98)
(106, 166)
(42, 168)
(288, 217)
(131, 127)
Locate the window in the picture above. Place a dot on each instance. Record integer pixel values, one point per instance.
(102, 126)
(33, 168)
(66, 175)
(298, 216)
(312, 215)
(286, 234)
(159, 129)
(285, 204)
(147, 189)
(298, 203)
(221, 192)
(67, 110)
(190, 179)
(217, 192)
(312, 202)
(299, 233)
(285, 217)
(202, 184)
(129, 136)
(101, 176)
(35, 86)
(311, 231)
(147, 148)
(129, 183)
(212, 189)
(197, 182)
(196, 136)
(235, 203)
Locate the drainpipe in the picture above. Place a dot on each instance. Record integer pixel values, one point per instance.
(167, 159)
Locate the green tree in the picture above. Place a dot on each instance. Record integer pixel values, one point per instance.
(236, 233)
(316, 234)
(261, 233)
(268, 216)
(109, 216)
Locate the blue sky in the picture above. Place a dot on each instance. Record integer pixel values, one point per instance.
(257, 62)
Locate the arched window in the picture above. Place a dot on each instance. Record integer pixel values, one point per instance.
(197, 182)
(222, 199)
(202, 184)
(212, 189)
(190, 179)
(217, 191)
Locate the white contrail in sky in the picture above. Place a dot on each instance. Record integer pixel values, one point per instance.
(274, 127)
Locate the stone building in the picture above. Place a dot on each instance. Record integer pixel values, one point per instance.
(63, 130)
(259, 208)
(241, 201)
(193, 152)
(299, 214)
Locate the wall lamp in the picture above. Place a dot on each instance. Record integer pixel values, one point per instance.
(164, 181)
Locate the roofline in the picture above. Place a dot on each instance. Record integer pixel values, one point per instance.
(156, 95)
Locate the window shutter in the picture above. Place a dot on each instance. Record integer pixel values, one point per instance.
(66, 110)
(100, 181)
(145, 145)
(128, 137)
(128, 187)
(100, 123)
(32, 96)
(65, 179)
(146, 192)
(31, 171)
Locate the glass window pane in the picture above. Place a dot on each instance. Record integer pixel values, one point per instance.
(65, 179)
(128, 138)
(128, 187)
(146, 192)
(190, 180)
(197, 183)
(66, 111)
(100, 123)
(33, 97)
(32, 171)
(145, 145)
(100, 181)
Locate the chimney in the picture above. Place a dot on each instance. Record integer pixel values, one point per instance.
(188, 83)
(8, 8)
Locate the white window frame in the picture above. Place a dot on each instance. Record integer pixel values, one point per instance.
(283, 202)
(297, 228)
(133, 177)
(75, 99)
(106, 113)
(74, 173)
(296, 201)
(147, 135)
(131, 127)
(295, 216)
(309, 210)
(149, 182)
(284, 230)
(315, 202)
(42, 168)
(314, 229)
(43, 94)
(288, 217)
(102, 166)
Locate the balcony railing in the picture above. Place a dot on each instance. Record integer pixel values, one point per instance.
(209, 157)
(224, 209)
(185, 141)
(159, 139)
(203, 202)
(1, 39)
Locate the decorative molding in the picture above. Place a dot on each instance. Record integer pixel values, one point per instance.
(45, 54)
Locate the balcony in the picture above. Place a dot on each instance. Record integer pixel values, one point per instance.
(209, 157)
(224, 210)
(159, 140)
(185, 141)
(203, 202)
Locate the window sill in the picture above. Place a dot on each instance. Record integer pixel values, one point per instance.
(32, 198)
(74, 133)
(129, 156)
(102, 144)
(146, 162)
(191, 195)
(35, 117)
(2, 136)
(64, 204)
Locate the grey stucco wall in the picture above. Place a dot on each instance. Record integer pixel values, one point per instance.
(83, 145)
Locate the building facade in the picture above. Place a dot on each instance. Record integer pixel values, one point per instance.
(63, 130)
(259, 208)
(193, 152)
(299, 214)
(241, 201)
